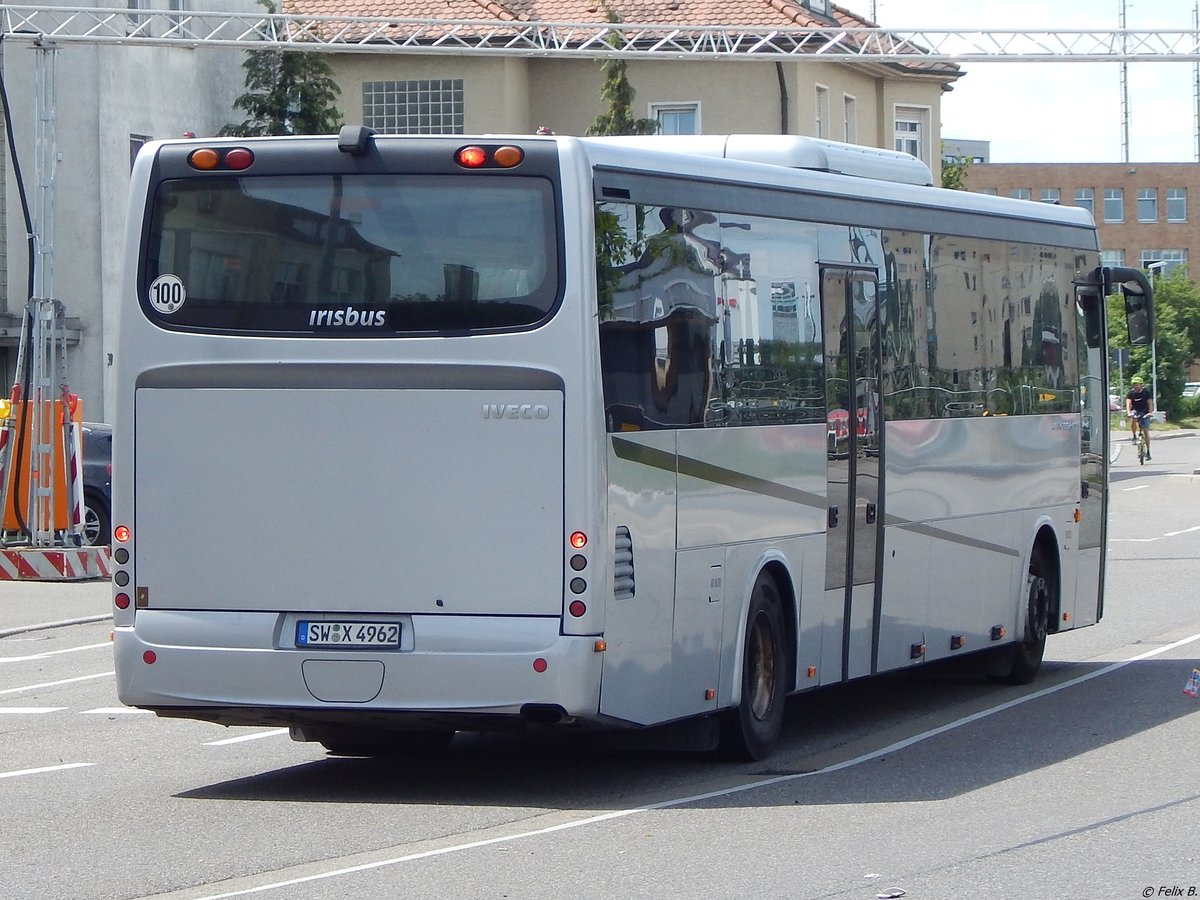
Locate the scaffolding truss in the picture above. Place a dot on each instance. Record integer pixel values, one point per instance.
(373, 34)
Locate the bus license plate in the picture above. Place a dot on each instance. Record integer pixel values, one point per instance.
(347, 634)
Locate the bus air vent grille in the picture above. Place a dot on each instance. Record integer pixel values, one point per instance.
(623, 565)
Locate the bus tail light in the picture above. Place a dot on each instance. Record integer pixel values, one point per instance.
(121, 533)
(485, 157)
(209, 159)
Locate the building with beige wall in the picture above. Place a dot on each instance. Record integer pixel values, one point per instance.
(892, 105)
(1145, 213)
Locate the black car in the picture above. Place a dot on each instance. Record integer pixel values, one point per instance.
(97, 483)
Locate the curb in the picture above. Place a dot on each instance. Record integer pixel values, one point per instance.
(42, 626)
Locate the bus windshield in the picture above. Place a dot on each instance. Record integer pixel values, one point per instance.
(330, 255)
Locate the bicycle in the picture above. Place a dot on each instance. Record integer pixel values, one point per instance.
(1140, 438)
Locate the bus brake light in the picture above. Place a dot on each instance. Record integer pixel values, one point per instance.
(471, 157)
(121, 533)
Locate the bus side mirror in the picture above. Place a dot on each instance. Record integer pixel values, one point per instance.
(1139, 301)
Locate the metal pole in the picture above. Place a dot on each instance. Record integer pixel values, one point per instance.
(1124, 92)
(45, 163)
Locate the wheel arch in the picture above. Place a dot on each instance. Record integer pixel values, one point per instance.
(1045, 543)
(773, 564)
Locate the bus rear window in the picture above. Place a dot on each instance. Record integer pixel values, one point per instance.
(331, 255)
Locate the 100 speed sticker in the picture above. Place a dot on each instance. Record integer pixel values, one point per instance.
(167, 294)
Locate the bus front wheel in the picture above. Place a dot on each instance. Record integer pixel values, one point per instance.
(750, 730)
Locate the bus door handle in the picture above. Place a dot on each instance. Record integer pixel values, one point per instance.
(870, 513)
(833, 517)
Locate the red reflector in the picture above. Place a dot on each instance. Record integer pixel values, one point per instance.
(121, 533)
(149, 657)
(577, 608)
(578, 540)
(471, 157)
(238, 158)
(204, 159)
(121, 601)
(539, 665)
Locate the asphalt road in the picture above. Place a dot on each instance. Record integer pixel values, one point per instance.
(940, 784)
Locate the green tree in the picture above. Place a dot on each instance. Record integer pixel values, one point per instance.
(954, 171)
(1176, 337)
(287, 92)
(618, 93)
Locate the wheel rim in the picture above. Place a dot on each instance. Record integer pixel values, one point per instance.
(1039, 611)
(762, 667)
(91, 526)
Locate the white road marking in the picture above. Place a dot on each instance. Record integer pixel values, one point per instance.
(274, 732)
(47, 684)
(45, 769)
(1185, 531)
(1140, 487)
(724, 792)
(48, 653)
(28, 710)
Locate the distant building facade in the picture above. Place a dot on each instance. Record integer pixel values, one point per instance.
(1145, 213)
(974, 152)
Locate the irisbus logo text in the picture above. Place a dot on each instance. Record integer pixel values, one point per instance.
(516, 411)
(348, 317)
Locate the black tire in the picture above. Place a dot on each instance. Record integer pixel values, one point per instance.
(1025, 656)
(750, 730)
(97, 525)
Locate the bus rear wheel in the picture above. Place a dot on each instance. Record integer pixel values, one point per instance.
(1024, 658)
(750, 730)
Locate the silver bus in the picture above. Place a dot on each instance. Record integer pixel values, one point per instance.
(418, 435)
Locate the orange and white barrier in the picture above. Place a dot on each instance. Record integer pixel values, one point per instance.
(54, 564)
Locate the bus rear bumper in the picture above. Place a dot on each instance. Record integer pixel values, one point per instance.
(449, 671)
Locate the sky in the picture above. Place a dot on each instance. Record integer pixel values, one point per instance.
(1060, 112)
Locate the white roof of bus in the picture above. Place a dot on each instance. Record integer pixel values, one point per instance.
(780, 159)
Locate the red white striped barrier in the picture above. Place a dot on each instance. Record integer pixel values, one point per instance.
(57, 564)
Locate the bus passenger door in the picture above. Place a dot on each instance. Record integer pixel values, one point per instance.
(850, 309)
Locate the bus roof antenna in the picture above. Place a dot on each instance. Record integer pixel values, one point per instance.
(354, 139)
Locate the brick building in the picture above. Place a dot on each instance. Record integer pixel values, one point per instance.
(1145, 212)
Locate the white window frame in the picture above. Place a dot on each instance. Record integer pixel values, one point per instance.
(1117, 195)
(850, 118)
(1020, 193)
(1112, 257)
(1176, 204)
(1050, 195)
(1086, 199)
(821, 110)
(655, 111)
(1147, 204)
(920, 135)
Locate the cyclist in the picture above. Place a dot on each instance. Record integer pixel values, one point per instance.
(1137, 407)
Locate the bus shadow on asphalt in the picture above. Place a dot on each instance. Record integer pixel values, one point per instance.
(885, 723)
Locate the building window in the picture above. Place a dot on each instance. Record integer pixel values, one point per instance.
(821, 111)
(1086, 198)
(676, 118)
(911, 131)
(1162, 261)
(1112, 257)
(1176, 204)
(850, 114)
(1147, 204)
(1114, 205)
(1020, 193)
(991, 192)
(820, 6)
(1050, 195)
(414, 107)
(135, 144)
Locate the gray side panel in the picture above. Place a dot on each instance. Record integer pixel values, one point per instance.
(379, 500)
